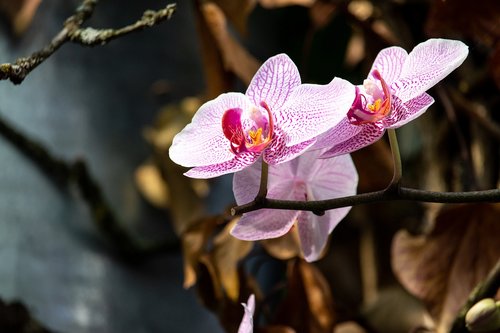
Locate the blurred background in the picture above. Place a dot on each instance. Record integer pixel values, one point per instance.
(116, 107)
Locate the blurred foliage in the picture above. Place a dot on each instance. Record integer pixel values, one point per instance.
(453, 147)
(419, 262)
(19, 13)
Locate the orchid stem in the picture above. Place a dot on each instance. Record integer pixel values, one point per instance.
(263, 181)
(396, 157)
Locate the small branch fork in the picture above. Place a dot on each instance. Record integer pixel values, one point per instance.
(73, 32)
(392, 193)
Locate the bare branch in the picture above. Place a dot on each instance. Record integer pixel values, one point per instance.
(72, 31)
(403, 193)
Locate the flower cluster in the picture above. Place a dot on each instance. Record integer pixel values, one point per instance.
(298, 128)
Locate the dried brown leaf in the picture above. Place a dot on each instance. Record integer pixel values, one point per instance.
(185, 195)
(276, 329)
(225, 256)
(284, 247)
(20, 13)
(374, 165)
(151, 185)
(234, 56)
(237, 12)
(321, 13)
(283, 3)
(218, 79)
(412, 315)
(443, 267)
(194, 241)
(308, 307)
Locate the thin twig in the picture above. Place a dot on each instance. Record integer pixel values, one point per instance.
(404, 193)
(16, 72)
(91, 37)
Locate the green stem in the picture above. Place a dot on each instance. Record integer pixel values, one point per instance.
(263, 181)
(396, 157)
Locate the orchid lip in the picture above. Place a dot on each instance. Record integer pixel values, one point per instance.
(250, 131)
(362, 112)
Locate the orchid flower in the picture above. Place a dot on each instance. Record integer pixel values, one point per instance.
(277, 117)
(305, 178)
(246, 325)
(393, 94)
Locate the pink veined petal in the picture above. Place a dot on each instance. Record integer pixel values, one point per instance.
(202, 142)
(389, 62)
(326, 179)
(246, 183)
(277, 152)
(313, 109)
(338, 134)
(404, 113)
(315, 230)
(427, 64)
(370, 133)
(246, 325)
(265, 223)
(330, 178)
(238, 163)
(274, 81)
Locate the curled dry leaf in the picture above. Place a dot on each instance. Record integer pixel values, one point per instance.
(283, 3)
(374, 157)
(443, 267)
(20, 13)
(237, 12)
(234, 56)
(151, 184)
(276, 329)
(412, 315)
(158, 180)
(225, 256)
(308, 306)
(284, 247)
(194, 241)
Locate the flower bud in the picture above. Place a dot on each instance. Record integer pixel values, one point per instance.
(484, 316)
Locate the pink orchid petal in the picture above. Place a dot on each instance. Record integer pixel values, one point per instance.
(404, 113)
(427, 64)
(265, 223)
(329, 178)
(277, 152)
(202, 142)
(389, 62)
(343, 131)
(274, 81)
(238, 163)
(313, 109)
(370, 133)
(246, 325)
(315, 230)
